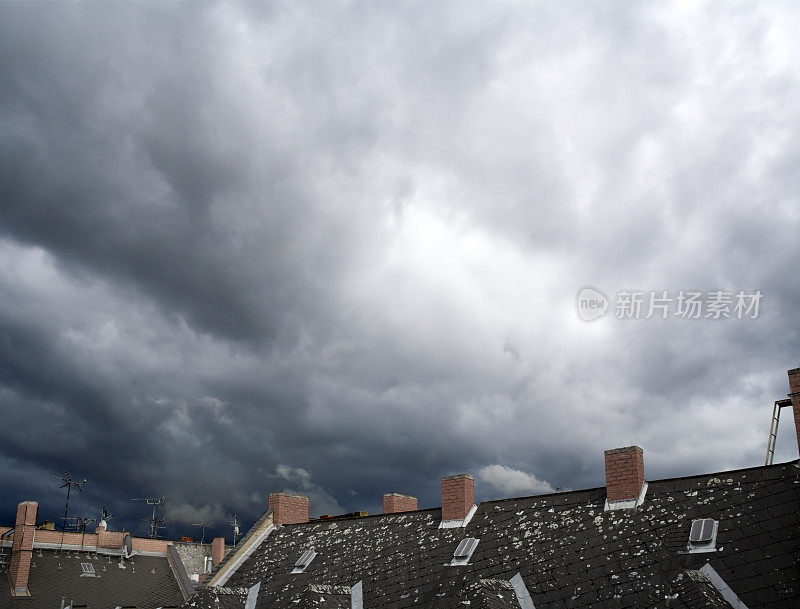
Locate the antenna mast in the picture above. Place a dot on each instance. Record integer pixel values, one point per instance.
(235, 525)
(68, 483)
(156, 522)
(202, 524)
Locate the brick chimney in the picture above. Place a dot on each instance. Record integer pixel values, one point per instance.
(624, 473)
(458, 496)
(288, 508)
(22, 547)
(217, 550)
(794, 393)
(395, 502)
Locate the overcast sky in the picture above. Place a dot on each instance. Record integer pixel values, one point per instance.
(335, 248)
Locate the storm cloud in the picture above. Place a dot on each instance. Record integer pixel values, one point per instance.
(335, 248)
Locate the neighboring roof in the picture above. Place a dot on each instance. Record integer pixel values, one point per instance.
(145, 582)
(569, 551)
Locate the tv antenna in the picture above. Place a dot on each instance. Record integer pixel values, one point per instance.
(68, 483)
(235, 525)
(203, 524)
(156, 522)
(105, 515)
(81, 523)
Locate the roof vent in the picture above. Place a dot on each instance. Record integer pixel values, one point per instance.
(703, 535)
(304, 560)
(464, 551)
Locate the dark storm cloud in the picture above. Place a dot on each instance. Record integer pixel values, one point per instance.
(335, 248)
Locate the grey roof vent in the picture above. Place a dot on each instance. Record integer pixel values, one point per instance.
(464, 551)
(703, 535)
(304, 560)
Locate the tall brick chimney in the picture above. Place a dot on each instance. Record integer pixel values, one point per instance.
(624, 473)
(794, 393)
(288, 508)
(22, 547)
(395, 502)
(458, 496)
(217, 550)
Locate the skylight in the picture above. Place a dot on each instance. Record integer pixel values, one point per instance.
(87, 568)
(703, 535)
(464, 551)
(304, 560)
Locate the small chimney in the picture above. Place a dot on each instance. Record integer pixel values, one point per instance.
(22, 547)
(794, 393)
(217, 550)
(287, 508)
(395, 502)
(624, 473)
(458, 496)
(101, 526)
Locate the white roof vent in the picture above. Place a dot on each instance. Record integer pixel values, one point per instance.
(703, 535)
(464, 551)
(304, 560)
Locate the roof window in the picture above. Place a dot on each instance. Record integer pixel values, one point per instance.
(703, 535)
(304, 560)
(464, 551)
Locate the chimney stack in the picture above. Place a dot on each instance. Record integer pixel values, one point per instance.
(22, 547)
(217, 550)
(624, 473)
(395, 502)
(288, 508)
(458, 496)
(794, 393)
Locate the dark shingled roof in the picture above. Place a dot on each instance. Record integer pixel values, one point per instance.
(569, 551)
(146, 582)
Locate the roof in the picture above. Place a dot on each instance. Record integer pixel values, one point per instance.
(567, 549)
(143, 582)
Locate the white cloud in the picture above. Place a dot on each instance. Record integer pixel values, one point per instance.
(512, 481)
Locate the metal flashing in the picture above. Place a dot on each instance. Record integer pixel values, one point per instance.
(252, 596)
(626, 504)
(723, 588)
(521, 591)
(357, 596)
(459, 522)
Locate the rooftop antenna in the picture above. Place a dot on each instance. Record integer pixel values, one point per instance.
(105, 517)
(202, 524)
(235, 525)
(156, 523)
(68, 482)
(81, 522)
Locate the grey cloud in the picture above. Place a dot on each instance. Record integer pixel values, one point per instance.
(346, 239)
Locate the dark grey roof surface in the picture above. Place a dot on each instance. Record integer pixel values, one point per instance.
(569, 552)
(146, 582)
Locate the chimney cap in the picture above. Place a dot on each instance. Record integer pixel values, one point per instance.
(455, 476)
(288, 495)
(624, 449)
